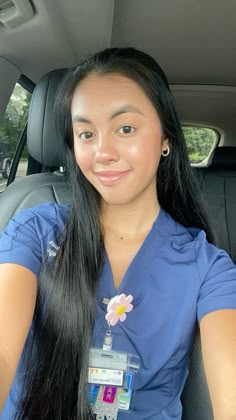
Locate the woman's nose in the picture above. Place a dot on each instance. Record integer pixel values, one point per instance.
(106, 151)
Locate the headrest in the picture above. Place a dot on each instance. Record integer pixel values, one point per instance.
(224, 158)
(44, 144)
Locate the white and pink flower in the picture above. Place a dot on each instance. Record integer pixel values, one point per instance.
(118, 307)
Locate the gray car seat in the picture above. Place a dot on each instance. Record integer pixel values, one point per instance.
(45, 146)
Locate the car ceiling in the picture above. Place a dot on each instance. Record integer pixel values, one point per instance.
(194, 41)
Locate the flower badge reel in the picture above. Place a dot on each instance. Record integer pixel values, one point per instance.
(112, 372)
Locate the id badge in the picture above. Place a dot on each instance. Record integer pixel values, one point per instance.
(110, 382)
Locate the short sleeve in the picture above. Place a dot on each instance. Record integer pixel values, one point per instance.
(19, 243)
(218, 278)
(26, 240)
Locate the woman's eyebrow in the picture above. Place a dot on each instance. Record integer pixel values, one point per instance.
(122, 110)
(79, 118)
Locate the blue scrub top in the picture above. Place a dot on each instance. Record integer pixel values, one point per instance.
(176, 278)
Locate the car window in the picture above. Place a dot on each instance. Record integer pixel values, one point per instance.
(11, 127)
(200, 142)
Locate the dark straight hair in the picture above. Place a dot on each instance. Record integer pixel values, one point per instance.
(57, 351)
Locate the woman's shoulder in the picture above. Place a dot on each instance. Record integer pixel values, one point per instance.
(206, 255)
(182, 237)
(34, 224)
(44, 216)
(33, 233)
(48, 210)
(179, 234)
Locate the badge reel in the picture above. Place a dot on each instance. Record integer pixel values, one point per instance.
(110, 379)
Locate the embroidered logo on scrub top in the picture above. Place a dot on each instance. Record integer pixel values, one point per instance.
(117, 308)
(53, 248)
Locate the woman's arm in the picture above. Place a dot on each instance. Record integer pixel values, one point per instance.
(218, 338)
(18, 288)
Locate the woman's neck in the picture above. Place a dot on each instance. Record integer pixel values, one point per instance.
(129, 220)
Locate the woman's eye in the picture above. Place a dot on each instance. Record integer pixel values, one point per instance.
(86, 135)
(126, 129)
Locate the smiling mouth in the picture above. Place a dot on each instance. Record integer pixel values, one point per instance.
(111, 177)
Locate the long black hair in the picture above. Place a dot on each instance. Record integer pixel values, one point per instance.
(58, 348)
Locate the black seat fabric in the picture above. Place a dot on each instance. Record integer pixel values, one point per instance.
(219, 187)
(46, 147)
(195, 397)
(43, 141)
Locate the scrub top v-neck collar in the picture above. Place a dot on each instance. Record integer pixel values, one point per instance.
(128, 283)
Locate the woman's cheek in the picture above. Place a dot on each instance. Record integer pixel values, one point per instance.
(83, 158)
(144, 147)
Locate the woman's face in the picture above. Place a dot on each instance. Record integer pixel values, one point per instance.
(117, 137)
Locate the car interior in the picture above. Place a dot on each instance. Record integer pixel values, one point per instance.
(194, 44)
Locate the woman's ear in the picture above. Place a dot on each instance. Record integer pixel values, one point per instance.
(165, 143)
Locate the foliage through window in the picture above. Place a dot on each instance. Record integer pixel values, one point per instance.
(15, 118)
(11, 127)
(200, 141)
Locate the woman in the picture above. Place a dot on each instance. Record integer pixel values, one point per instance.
(134, 249)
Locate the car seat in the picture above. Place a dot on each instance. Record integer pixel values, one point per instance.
(219, 187)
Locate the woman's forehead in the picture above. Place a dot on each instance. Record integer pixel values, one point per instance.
(110, 90)
(113, 81)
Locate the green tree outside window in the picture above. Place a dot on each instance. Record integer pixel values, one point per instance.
(200, 142)
(15, 118)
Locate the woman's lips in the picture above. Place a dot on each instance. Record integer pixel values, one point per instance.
(111, 177)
